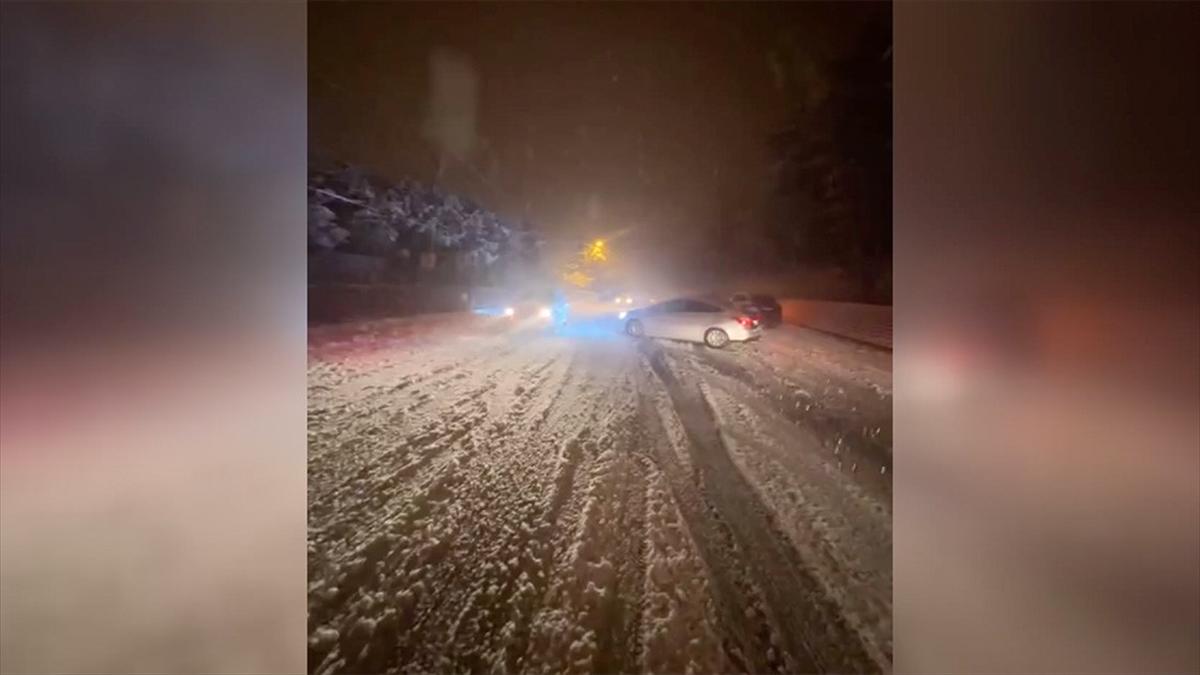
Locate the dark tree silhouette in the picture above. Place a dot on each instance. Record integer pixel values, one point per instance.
(834, 166)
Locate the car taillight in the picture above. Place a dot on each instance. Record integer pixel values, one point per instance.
(746, 322)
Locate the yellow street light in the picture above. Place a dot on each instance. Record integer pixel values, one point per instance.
(596, 251)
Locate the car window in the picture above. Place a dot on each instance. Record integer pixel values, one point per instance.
(764, 299)
(674, 306)
(739, 297)
(698, 306)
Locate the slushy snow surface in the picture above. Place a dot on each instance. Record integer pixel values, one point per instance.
(517, 501)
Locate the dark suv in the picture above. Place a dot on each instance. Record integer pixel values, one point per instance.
(759, 306)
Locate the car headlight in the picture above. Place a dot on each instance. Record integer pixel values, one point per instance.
(544, 313)
(622, 315)
(509, 311)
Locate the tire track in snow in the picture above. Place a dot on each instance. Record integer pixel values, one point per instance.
(342, 385)
(594, 608)
(746, 637)
(384, 469)
(477, 625)
(811, 631)
(379, 411)
(580, 498)
(554, 504)
(844, 538)
(678, 620)
(474, 624)
(397, 557)
(846, 430)
(800, 450)
(620, 642)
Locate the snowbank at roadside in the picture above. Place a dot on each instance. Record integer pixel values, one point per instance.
(335, 341)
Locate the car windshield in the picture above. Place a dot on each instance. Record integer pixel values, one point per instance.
(763, 299)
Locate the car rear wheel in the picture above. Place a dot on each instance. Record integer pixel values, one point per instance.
(633, 327)
(716, 338)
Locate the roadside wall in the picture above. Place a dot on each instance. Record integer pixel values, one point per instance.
(335, 303)
(866, 323)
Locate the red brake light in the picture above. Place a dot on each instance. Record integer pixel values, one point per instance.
(746, 321)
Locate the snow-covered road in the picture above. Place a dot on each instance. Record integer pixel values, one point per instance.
(520, 501)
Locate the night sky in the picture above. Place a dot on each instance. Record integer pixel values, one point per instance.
(584, 119)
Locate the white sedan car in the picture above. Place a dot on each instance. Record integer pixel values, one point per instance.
(690, 320)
